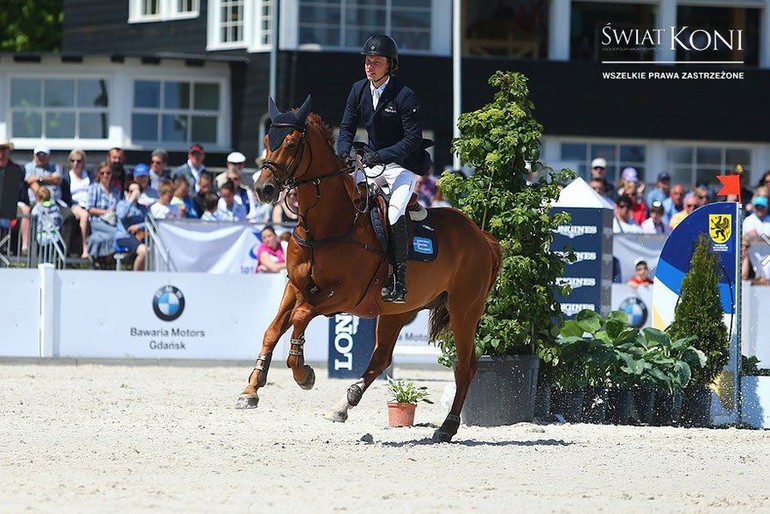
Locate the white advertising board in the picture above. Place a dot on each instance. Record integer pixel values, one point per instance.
(19, 313)
(636, 303)
(164, 315)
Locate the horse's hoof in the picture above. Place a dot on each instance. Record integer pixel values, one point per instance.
(247, 401)
(440, 436)
(336, 416)
(309, 381)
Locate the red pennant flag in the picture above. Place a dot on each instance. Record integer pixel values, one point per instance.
(731, 185)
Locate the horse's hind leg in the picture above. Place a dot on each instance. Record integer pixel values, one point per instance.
(388, 328)
(249, 398)
(463, 320)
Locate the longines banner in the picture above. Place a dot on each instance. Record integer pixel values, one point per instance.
(164, 315)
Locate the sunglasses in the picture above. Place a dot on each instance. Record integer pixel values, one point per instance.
(156, 162)
(623, 206)
(196, 154)
(104, 173)
(689, 206)
(76, 160)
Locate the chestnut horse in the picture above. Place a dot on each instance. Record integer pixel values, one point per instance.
(335, 264)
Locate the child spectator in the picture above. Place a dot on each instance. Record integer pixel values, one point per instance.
(641, 277)
(210, 207)
(49, 218)
(163, 208)
(129, 229)
(654, 224)
(182, 198)
(204, 188)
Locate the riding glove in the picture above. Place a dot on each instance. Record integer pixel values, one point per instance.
(371, 159)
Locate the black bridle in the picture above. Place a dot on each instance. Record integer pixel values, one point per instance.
(284, 175)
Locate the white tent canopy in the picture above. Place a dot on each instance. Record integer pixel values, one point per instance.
(579, 194)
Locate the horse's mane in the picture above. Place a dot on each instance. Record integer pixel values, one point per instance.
(316, 121)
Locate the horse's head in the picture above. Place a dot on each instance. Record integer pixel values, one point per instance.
(285, 143)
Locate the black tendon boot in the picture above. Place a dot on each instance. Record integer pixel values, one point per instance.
(396, 292)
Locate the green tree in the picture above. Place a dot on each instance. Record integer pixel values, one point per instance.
(521, 314)
(27, 26)
(699, 313)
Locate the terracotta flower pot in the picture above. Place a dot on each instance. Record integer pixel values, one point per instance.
(401, 414)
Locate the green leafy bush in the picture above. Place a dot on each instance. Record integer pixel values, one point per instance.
(498, 140)
(592, 351)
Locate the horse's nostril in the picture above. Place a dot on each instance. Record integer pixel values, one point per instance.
(268, 191)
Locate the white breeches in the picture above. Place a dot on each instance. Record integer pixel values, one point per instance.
(401, 183)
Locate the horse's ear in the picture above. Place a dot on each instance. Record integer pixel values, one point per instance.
(272, 108)
(303, 111)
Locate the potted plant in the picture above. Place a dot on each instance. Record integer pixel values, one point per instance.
(699, 313)
(521, 313)
(404, 396)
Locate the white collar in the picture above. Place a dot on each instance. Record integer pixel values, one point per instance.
(381, 88)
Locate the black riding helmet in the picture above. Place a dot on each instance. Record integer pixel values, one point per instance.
(384, 46)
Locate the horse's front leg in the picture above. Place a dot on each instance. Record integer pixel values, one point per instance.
(388, 328)
(249, 398)
(303, 374)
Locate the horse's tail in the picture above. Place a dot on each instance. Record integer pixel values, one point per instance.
(439, 314)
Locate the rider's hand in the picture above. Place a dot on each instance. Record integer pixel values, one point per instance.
(371, 159)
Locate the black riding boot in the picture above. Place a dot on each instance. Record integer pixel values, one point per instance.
(396, 292)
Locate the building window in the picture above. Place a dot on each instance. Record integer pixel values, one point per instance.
(588, 19)
(715, 26)
(697, 165)
(161, 10)
(618, 156)
(172, 112)
(348, 23)
(59, 108)
(516, 29)
(240, 24)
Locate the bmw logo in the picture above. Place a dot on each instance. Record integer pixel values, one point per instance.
(636, 311)
(168, 303)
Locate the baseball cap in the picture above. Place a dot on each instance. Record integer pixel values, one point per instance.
(630, 174)
(42, 149)
(760, 200)
(6, 143)
(637, 262)
(236, 158)
(599, 163)
(663, 175)
(195, 148)
(141, 170)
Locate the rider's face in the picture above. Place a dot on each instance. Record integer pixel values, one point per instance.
(376, 68)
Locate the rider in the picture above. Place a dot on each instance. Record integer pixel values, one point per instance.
(391, 114)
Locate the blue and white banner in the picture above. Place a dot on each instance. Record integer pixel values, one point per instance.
(208, 247)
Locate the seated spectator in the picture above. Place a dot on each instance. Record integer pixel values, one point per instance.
(204, 188)
(639, 210)
(630, 175)
(662, 188)
(182, 198)
(210, 204)
(158, 170)
(747, 268)
(654, 224)
(163, 209)
(48, 217)
(758, 222)
(702, 195)
(148, 195)
(243, 195)
(75, 184)
(282, 213)
(103, 198)
(599, 171)
(623, 222)
(270, 257)
(641, 276)
(674, 203)
(14, 176)
(598, 185)
(691, 203)
(228, 209)
(129, 229)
